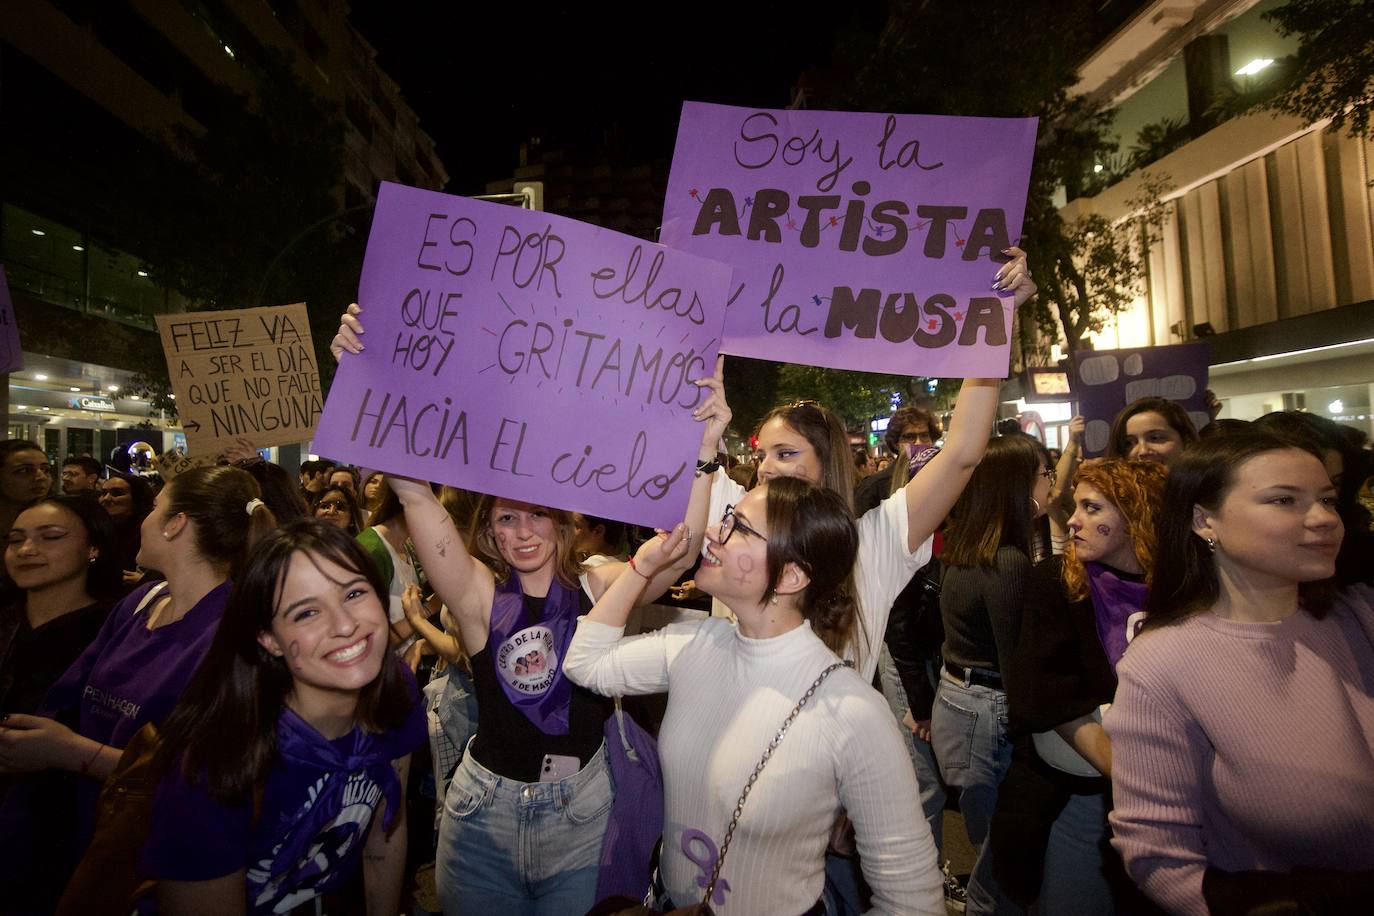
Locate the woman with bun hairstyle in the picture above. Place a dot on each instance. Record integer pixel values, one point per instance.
(1242, 732)
(1151, 429)
(200, 531)
(782, 562)
(300, 705)
(1082, 607)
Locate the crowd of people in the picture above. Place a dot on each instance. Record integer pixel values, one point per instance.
(1146, 680)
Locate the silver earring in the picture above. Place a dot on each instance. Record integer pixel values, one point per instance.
(1212, 545)
(1035, 505)
(167, 535)
(775, 600)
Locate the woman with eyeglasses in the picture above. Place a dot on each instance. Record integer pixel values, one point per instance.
(128, 499)
(782, 562)
(336, 505)
(989, 542)
(807, 441)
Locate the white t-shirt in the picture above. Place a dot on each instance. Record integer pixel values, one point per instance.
(727, 697)
(883, 568)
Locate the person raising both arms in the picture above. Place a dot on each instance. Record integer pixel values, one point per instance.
(807, 441)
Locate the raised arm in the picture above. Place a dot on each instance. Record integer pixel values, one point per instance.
(460, 580)
(1061, 494)
(931, 494)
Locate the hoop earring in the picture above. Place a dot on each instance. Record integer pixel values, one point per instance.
(1035, 506)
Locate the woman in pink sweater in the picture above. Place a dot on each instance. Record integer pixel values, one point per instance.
(1243, 728)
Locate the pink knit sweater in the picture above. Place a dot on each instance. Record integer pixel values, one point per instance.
(1245, 746)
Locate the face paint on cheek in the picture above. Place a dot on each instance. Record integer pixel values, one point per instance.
(1104, 530)
(746, 569)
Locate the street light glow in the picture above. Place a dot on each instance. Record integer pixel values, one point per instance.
(1255, 66)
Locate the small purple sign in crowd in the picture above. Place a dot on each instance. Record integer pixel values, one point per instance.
(11, 353)
(1104, 381)
(859, 241)
(527, 355)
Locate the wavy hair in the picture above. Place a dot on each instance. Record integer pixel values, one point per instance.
(1136, 489)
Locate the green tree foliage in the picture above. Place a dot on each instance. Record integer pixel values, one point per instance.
(1332, 74)
(856, 397)
(998, 58)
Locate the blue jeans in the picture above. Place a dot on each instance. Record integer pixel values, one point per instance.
(1075, 876)
(928, 782)
(522, 849)
(969, 733)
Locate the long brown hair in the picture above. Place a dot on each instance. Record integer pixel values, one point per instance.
(225, 724)
(1185, 580)
(812, 527)
(824, 431)
(216, 500)
(995, 509)
(1136, 489)
(484, 548)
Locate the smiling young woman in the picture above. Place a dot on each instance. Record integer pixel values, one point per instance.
(300, 705)
(782, 562)
(1243, 727)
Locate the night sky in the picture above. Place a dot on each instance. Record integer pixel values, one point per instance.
(485, 76)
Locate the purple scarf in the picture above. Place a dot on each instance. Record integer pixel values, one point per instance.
(1115, 601)
(529, 658)
(362, 757)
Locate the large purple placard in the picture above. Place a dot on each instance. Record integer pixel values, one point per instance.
(11, 353)
(529, 356)
(859, 240)
(1104, 381)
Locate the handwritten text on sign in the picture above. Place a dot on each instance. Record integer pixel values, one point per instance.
(11, 354)
(859, 241)
(528, 356)
(243, 373)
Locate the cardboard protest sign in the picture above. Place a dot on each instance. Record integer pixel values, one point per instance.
(1104, 381)
(526, 355)
(243, 373)
(173, 463)
(11, 353)
(859, 241)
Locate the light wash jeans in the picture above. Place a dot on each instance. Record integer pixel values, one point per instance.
(928, 782)
(969, 733)
(522, 849)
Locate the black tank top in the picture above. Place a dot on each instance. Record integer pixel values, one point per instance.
(508, 743)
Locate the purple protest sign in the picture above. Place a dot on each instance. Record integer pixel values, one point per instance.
(859, 241)
(11, 353)
(529, 356)
(1104, 381)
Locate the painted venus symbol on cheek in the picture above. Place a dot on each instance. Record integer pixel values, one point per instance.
(1104, 530)
(746, 568)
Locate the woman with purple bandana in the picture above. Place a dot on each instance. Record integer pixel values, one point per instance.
(294, 736)
(528, 807)
(1081, 609)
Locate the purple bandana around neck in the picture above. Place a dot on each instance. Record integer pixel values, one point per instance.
(529, 658)
(1115, 601)
(362, 751)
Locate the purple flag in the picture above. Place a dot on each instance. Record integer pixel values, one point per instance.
(859, 240)
(11, 353)
(529, 356)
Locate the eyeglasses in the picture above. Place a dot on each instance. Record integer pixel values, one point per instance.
(1049, 474)
(729, 522)
(331, 507)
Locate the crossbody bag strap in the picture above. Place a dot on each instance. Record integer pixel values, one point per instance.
(754, 777)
